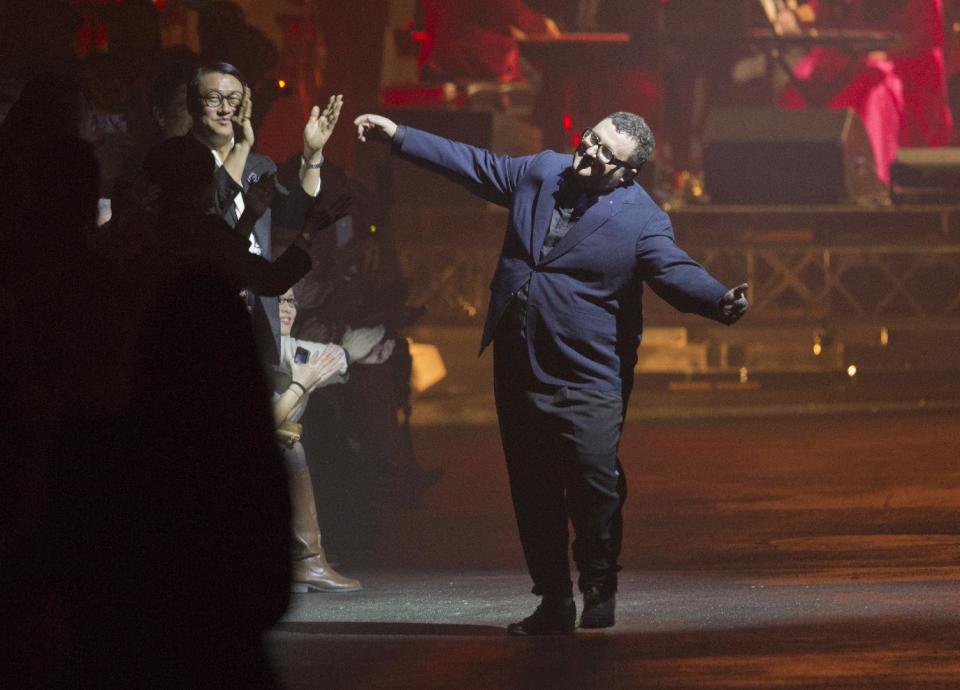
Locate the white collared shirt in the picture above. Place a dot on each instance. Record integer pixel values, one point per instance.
(239, 205)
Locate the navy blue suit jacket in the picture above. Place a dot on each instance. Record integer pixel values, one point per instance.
(584, 310)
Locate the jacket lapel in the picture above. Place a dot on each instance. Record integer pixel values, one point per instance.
(542, 214)
(261, 229)
(598, 214)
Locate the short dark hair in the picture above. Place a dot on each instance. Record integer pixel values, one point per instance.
(193, 90)
(49, 102)
(165, 84)
(180, 166)
(637, 129)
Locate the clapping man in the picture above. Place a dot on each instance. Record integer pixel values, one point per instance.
(221, 104)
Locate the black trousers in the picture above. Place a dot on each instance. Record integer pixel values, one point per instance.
(560, 446)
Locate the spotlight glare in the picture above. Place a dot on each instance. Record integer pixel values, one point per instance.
(852, 370)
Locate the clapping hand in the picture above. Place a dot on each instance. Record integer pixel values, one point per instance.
(320, 126)
(242, 128)
(322, 365)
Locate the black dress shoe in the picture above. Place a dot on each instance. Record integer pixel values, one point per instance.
(598, 608)
(554, 616)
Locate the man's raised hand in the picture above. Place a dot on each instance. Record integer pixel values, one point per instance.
(320, 126)
(375, 126)
(242, 127)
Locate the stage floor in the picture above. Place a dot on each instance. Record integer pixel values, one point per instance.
(675, 630)
(760, 552)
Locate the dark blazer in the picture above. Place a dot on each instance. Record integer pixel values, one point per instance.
(288, 209)
(584, 312)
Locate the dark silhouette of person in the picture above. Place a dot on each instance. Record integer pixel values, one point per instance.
(145, 528)
(62, 390)
(205, 511)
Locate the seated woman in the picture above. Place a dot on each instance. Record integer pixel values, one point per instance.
(322, 364)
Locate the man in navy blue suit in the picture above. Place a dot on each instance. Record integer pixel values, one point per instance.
(566, 319)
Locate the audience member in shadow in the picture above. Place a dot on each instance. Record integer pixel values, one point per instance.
(357, 436)
(162, 114)
(183, 170)
(50, 186)
(50, 106)
(304, 366)
(146, 527)
(59, 379)
(205, 512)
(167, 100)
(61, 395)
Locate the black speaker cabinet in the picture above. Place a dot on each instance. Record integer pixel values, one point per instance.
(769, 156)
(926, 175)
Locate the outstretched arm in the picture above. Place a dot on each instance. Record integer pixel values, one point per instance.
(316, 133)
(487, 175)
(683, 283)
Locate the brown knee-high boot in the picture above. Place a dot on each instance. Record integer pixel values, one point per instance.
(311, 572)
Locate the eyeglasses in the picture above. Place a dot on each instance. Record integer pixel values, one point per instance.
(289, 301)
(589, 139)
(215, 99)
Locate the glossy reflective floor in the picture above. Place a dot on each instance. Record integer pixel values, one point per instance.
(762, 550)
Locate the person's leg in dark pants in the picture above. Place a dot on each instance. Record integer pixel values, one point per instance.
(586, 445)
(536, 486)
